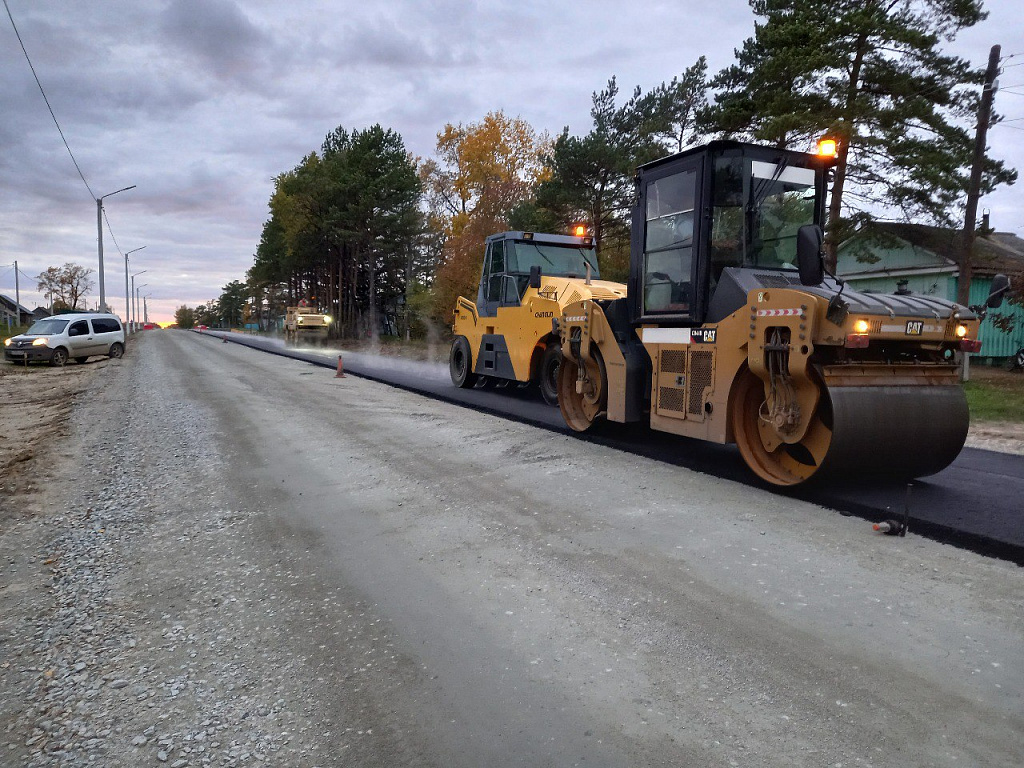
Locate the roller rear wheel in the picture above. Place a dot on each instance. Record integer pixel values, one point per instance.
(550, 364)
(460, 362)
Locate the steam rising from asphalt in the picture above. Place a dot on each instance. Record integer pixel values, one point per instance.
(370, 363)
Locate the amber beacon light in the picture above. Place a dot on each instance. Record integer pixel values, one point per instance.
(580, 230)
(827, 147)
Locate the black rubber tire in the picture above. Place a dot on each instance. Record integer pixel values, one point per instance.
(116, 350)
(81, 360)
(59, 358)
(460, 363)
(1018, 361)
(547, 376)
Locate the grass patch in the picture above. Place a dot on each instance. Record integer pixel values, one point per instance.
(995, 395)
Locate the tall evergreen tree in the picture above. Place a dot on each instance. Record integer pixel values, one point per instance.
(871, 74)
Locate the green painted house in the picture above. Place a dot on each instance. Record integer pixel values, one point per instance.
(926, 259)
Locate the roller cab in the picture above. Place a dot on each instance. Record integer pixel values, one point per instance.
(305, 324)
(508, 332)
(731, 332)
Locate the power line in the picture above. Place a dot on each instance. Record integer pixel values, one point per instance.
(23, 50)
(111, 232)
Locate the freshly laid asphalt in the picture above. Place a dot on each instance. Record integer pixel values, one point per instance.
(975, 503)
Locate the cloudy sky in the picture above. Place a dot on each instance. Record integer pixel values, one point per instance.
(200, 103)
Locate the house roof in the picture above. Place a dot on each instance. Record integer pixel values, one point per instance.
(11, 304)
(992, 253)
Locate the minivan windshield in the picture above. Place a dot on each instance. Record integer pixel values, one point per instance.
(46, 327)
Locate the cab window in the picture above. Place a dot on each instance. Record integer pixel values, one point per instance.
(495, 282)
(668, 243)
(79, 328)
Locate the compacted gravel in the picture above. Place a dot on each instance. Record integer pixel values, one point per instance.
(225, 558)
(159, 637)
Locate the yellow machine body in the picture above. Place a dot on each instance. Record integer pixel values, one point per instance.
(807, 378)
(305, 324)
(525, 328)
(508, 332)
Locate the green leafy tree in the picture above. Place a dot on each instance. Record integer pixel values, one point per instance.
(232, 301)
(185, 317)
(66, 286)
(871, 74)
(208, 314)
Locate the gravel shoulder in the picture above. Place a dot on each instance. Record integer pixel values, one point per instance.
(258, 563)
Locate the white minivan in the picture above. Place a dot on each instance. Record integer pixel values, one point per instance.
(77, 335)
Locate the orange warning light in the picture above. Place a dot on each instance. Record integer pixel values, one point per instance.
(827, 147)
(580, 230)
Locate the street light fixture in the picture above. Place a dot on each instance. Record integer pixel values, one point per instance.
(135, 303)
(127, 295)
(99, 241)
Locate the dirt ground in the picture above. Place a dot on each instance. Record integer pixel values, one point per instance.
(36, 402)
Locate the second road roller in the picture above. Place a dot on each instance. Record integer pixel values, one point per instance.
(732, 331)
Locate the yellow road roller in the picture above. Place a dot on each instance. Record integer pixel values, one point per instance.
(731, 330)
(508, 333)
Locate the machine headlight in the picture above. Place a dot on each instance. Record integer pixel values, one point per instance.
(860, 326)
(40, 342)
(7, 342)
(327, 318)
(961, 331)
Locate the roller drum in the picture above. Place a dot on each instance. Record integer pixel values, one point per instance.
(904, 431)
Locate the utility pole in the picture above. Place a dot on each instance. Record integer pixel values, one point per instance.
(17, 292)
(974, 189)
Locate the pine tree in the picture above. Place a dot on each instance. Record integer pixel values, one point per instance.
(871, 74)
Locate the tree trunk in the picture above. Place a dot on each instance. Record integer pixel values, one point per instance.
(836, 204)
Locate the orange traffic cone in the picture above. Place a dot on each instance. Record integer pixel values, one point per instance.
(341, 371)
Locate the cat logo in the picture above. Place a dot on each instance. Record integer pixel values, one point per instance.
(543, 314)
(915, 327)
(704, 335)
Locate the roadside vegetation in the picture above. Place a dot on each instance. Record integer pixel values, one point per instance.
(995, 395)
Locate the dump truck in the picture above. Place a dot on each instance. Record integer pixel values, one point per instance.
(732, 332)
(304, 323)
(508, 333)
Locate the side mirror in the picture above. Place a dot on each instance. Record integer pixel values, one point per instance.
(809, 259)
(1000, 285)
(535, 277)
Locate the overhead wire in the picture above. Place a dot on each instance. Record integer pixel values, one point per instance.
(105, 219)
(43, 92)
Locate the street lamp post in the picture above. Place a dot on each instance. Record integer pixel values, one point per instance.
(99, 241)
(139, 288)
(135, 302)
(127, 295)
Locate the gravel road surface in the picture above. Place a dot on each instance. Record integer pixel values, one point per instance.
(242, 560)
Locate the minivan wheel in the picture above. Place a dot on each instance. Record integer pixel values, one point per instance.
(59, 357)
(116, 350)
(81, 360)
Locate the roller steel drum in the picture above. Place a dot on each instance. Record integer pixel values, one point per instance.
(891, 431)
(897, 431)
